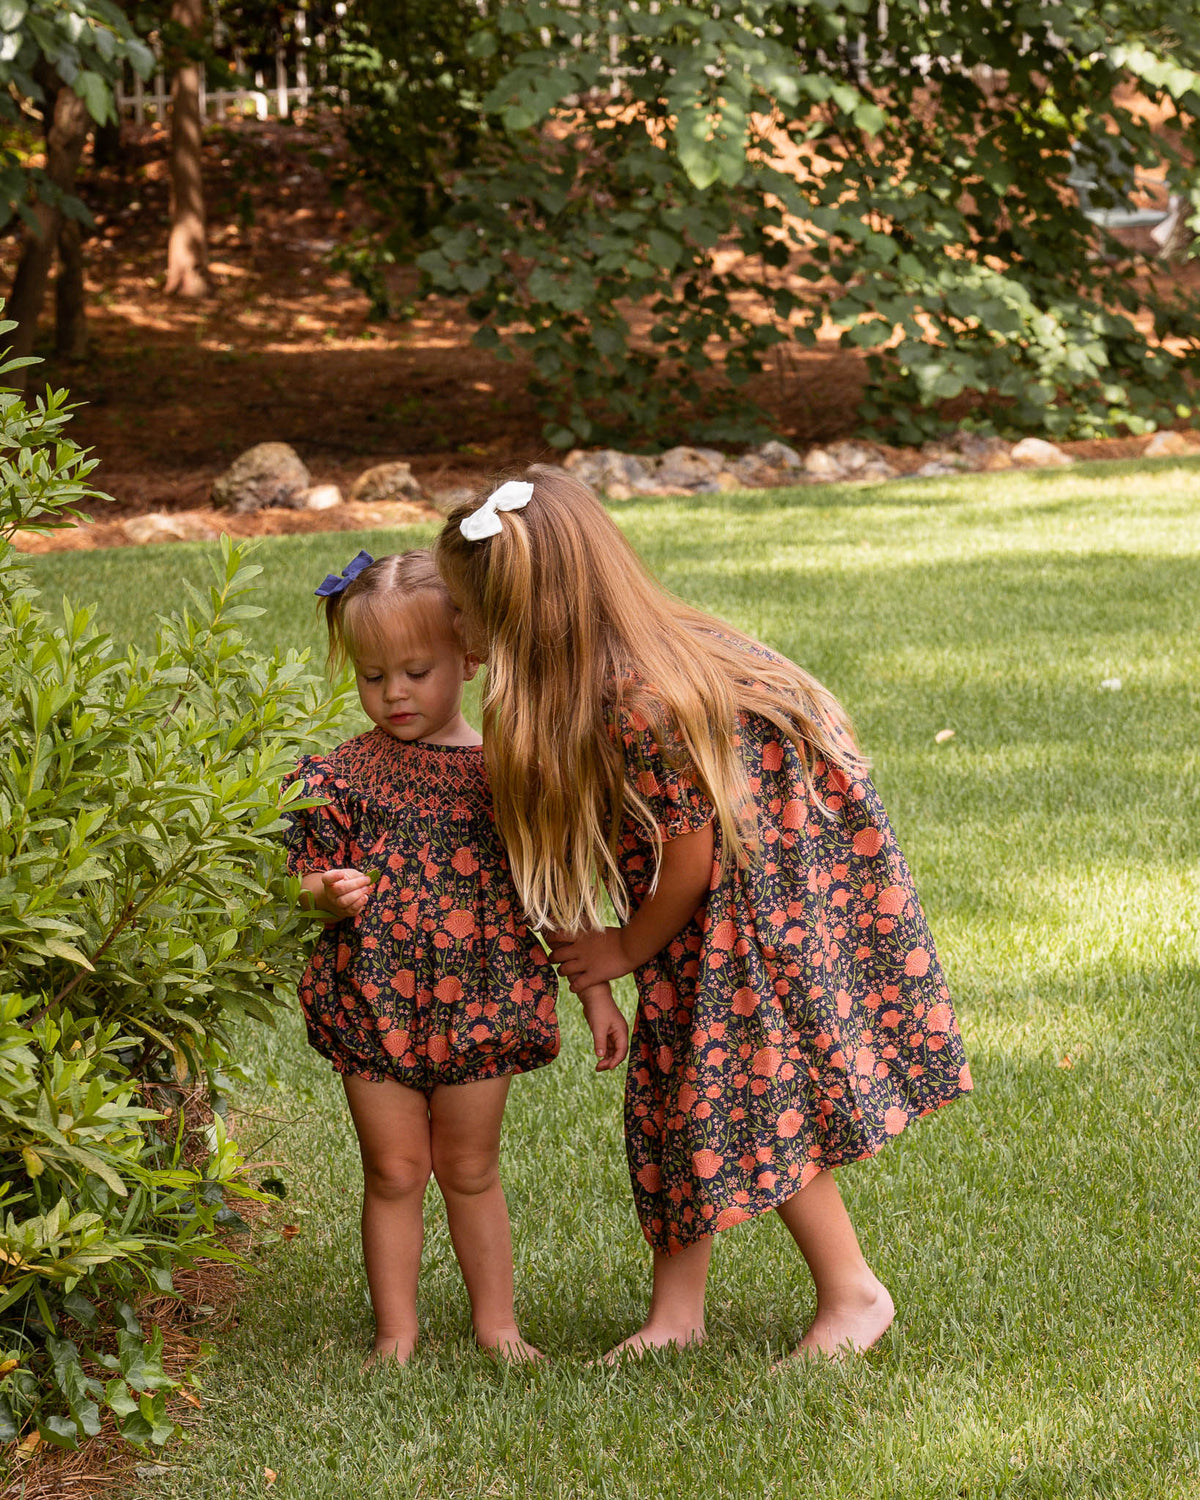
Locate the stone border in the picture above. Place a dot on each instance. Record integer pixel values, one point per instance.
(277, 497)
(773, 465)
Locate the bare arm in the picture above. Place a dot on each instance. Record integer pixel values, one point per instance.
(590, 958)
(610, 1030)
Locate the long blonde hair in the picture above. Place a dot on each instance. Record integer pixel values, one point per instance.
(577, 633)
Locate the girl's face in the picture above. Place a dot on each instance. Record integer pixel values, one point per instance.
(410, 684)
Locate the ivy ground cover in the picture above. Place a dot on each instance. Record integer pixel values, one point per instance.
(1039, 1238)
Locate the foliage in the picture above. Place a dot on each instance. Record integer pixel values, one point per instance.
(414, 81)
(144, 906)
(673, 164)
(82, 44)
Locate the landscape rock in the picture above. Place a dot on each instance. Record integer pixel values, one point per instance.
(1037, 453)
(875, 470)
(819, 463)
(688, 468)
(322, 497)
(727, 479)
(606, 468)
(937, 469)
(777, 455)
(981, 452)
(267, 474)
(157, 526)
(392, 481)
(1170, 445)
(852, 456)
(948, 455)
(445, 500)
(752, 471)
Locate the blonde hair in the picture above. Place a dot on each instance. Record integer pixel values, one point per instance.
(577, 632)
(365, 613)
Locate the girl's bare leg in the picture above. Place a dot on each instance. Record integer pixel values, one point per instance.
(854, 1309)
(676, 1315)
(464, 1124)
(393, 1137)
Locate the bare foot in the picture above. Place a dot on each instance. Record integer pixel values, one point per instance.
(848, 1324)
(508, 1345)
(654, 1336)
(386, 1349)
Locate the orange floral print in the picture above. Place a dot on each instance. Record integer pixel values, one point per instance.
(804, 1006)
(439, 980)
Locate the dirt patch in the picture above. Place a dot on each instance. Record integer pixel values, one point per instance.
(207, 525)
(284, 349)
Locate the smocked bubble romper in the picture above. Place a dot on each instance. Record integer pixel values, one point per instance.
(438, 980)
(801, 1020)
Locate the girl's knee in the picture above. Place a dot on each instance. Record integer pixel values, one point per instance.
(395, 1177)
(466, 1172)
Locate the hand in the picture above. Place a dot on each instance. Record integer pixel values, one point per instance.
(610, 1031)
(589, 958)
(342, 893)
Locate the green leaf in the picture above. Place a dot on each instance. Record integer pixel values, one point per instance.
(79, 1308)
(95, 93)
(118, 1398)
(10, 1429)
(127, 1318)
(60, 1431)
(69, 951)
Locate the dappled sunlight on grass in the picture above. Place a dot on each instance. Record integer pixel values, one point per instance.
(1039, 1237)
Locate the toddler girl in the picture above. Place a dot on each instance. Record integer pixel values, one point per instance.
(426, 990)
(792, 1015)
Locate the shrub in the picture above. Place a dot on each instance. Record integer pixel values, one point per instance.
(144, 907)
(653, 179)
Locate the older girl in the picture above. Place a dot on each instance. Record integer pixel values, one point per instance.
(792, 1015)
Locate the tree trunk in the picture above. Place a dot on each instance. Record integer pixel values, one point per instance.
(106, 146)
(187, 252)
(70, 308)
(65, 140)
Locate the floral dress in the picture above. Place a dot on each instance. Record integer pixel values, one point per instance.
(438, 980)
(801, 1020)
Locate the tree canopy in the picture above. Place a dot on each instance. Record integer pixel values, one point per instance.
(46, 44)
(629, 193)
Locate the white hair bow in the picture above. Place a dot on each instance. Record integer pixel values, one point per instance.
(485, 522)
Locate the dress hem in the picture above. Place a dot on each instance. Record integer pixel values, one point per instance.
(379, 1075)
(768, 1203)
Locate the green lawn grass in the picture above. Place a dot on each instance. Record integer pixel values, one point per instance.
(1039, 1238)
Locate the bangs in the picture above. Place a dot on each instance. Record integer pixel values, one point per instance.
(411, 625)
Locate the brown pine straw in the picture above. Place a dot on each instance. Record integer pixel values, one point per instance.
(104, 1465)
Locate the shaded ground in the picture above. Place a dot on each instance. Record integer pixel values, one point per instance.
(284, 348)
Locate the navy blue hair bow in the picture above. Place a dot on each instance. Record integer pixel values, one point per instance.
(336, 582)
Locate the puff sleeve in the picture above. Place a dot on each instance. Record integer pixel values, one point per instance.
(658, 767)
(317, 838)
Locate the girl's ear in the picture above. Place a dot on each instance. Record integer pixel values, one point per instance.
(471, 665)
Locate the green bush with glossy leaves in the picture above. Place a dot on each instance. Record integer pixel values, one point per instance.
(144, 906)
